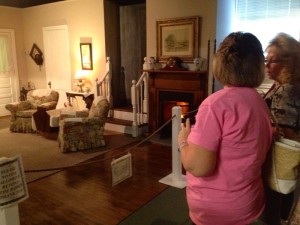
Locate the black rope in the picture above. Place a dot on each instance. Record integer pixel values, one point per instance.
(104, 159)
(126, 151)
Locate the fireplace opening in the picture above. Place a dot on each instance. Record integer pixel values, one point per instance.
(169, 99)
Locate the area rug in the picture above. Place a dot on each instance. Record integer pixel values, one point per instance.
(168, 208)
(38, 152)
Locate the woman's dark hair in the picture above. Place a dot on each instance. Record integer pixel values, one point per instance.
(239, 61)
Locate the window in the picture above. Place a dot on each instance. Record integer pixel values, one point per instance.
(5, 61)
(266, 18)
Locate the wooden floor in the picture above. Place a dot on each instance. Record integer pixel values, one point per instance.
(84, 195)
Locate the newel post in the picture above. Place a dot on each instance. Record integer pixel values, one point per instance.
(134, 109)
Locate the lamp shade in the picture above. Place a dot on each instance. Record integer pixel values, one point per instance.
(80, 75)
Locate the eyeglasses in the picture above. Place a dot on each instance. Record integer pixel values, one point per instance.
(274, 61)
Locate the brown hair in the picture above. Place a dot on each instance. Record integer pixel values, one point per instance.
(288, 49)
(239, 61)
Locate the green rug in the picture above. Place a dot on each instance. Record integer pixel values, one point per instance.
(168, 208)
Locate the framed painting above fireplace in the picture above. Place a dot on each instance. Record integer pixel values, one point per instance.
(178, 37)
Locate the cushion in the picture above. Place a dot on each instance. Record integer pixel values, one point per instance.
(76, 119)
(25, 113)
(41, 92)
(94, 110)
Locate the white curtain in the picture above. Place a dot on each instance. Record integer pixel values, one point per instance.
(5, 59)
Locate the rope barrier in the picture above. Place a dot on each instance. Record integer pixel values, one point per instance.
(107, 158)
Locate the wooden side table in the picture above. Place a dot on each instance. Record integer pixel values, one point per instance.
(87, 97)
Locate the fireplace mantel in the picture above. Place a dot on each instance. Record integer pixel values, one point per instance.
(174, 81)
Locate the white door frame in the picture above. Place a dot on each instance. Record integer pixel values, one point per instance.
(9, 82)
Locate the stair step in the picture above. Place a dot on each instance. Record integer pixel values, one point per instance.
(118, 121)
(121, 121)
(127, 108)
(118, 125)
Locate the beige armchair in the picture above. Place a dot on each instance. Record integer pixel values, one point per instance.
(21, 112)
(85, 130)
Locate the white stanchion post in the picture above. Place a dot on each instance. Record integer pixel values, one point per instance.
(176, 178)
(10, 215)
(13, 189)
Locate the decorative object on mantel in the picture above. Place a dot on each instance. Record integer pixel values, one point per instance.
(178, 37)
(36, 54)
(173, 63)
(152, 62)
(197, 63)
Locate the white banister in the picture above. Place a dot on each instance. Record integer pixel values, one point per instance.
(139, 100)
(145, 64)
(176, 178)
(103, 86)
(134, 109)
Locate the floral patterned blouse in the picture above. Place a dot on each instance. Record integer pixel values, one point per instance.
(284, 101)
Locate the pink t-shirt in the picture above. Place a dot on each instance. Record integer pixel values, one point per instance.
(234, 123)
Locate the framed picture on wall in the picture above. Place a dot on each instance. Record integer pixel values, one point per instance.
(86, 56)
(178, 37)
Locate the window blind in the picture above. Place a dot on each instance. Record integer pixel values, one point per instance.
(265, 9)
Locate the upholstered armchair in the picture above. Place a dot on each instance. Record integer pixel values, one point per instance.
(84, 130)
(21, 112)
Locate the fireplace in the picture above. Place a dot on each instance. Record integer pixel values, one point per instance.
(169, 99)
(168, 88)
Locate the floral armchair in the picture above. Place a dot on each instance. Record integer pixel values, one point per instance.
(85, 130)
(21, 112)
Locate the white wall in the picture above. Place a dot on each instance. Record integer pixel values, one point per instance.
(224, 25)
(84, 19)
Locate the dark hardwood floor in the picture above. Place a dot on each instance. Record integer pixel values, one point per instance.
(84, 195)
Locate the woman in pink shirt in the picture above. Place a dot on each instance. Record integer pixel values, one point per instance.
(224, 151)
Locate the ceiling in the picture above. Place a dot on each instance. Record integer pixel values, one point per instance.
(25, 3)
(29, 3)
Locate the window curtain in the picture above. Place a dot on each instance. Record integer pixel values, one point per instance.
(5, 62)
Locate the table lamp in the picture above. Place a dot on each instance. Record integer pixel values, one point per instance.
(80, 77)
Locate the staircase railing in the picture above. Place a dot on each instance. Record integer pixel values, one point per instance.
(140, 101)
(103, 86)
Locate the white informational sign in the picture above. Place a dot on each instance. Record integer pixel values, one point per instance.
(13, 187)
(121, 169)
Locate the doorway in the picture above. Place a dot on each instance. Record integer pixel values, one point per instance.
(57, 57)
(9, 81)
(125, 34)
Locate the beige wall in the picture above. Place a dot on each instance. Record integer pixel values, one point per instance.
(84, 19)
(10, 18)
(165, 9)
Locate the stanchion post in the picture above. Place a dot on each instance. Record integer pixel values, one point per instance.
(176, 178)
(10, 215)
